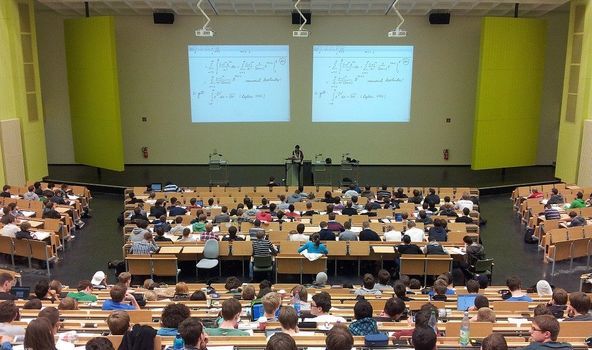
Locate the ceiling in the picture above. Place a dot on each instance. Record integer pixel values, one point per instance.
(528, 8)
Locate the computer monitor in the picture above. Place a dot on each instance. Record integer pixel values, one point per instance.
(21, 292)
(465, 301)
(156, 187)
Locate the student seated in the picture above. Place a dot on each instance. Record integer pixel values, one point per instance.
(281, 341)
(289, 320)
(440, 288)
(494, 341)
(314, 245)
(9, 312)
(172, 315)
(193, 333)
(394, 309)
(186, 236)
(99, 343)
(558, 303)
(320, 307)
(514, 284)
(339, 338)
(118, 322)
(368, 286)
(120, 299)
(271, 303)
(544, 332)
(578, 308)
(364, 324)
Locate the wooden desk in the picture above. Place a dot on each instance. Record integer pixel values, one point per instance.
(170, 250)
(382, 250)
(193, 249)
(297, 264)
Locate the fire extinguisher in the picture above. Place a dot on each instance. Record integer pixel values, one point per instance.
(145, 151)
(446, 154)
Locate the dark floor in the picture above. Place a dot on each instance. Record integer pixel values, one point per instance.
(100, 241)
(241, 175)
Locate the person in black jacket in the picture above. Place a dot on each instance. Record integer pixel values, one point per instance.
(158, 209)
(367, 234)
(407, 247)
(438, 231)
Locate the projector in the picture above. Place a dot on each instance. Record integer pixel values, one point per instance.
(204, 33)
(397, 33)
(300, 34)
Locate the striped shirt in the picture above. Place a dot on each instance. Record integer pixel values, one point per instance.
(144, 248)
(263, 247)
(552, 214)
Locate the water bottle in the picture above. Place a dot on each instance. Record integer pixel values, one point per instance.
(178, 344)
(464, 330)
(296, 303)
(432, 322)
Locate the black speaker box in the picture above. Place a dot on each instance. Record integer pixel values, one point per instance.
(164, 18)
(440, 18)
(296, 19)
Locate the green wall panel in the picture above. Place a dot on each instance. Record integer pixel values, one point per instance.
(570, 128)
(509, 89)
(94, 92)
(13, 90)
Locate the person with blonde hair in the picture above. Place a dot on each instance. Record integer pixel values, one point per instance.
(485, 314)
(271, 303)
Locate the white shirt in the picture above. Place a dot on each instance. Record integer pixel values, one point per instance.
(327, 319)
(464, 203)
(9, 230)
(392, 236)
(298, 237)
(350, 193)
(416, 234)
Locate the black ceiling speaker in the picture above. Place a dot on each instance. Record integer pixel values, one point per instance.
(439, 18)
(296, 19)
(164, 17)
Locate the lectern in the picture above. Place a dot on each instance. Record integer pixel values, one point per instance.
(293, 171)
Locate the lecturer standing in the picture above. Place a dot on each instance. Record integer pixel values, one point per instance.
(298, 158)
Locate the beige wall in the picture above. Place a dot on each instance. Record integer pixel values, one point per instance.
(153, 77)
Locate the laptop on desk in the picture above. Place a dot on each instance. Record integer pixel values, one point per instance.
(156, 187)
(21, 292)
(465, 301)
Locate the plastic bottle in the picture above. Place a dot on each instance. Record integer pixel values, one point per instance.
(296, 303)
(178, 344)
(432, 322)
(464, 330)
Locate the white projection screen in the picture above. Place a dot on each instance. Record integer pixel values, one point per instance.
(239, 83)
(362, 83)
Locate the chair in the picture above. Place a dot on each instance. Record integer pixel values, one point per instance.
(510, 306)
(140, 316)
(262, 264)
(337, 250)
(41, 251)
(23, 248)
(7, 247)
(210, 259)
(483, 267)
(165, 265)
(139, 265)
